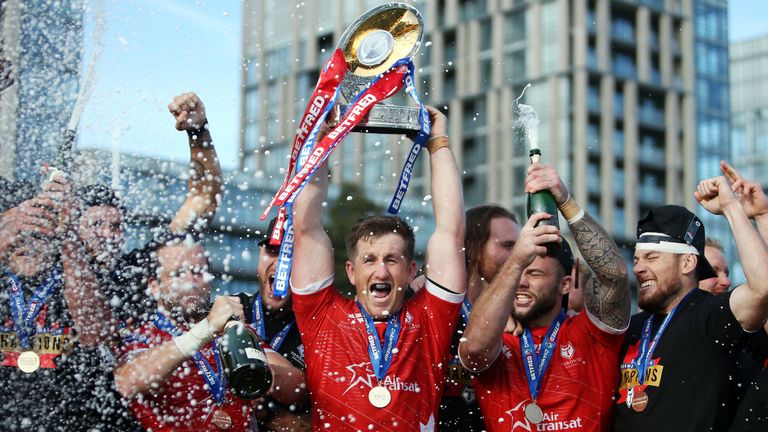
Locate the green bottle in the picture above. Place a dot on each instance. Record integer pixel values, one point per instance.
(245, 363)
(542, 201)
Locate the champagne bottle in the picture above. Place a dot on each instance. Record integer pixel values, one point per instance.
(542, 201)
(244, 361)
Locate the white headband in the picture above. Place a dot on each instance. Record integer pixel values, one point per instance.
(659, 245)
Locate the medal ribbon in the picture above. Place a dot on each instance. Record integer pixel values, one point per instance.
(648, 346)
(217, 385)
(466, 309)
(261, 329)
(418, 143)
(322, 99)
(381, 357)
(24, 313)
(534, 365)
(390, 83)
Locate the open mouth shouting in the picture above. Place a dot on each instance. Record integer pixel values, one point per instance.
(380, 292)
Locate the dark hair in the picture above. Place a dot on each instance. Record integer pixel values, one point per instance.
(376, 226)
(479, 231)
(98, 195)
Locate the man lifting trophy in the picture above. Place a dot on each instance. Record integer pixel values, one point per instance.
(373, 62)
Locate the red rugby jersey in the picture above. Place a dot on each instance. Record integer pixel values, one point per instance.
(576, 392)
(339, 371)
(182, 403)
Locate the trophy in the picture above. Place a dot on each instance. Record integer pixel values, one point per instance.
(371, 45)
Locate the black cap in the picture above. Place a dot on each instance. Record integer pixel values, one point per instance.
(266, 234)
(674, 229)
(563, 254)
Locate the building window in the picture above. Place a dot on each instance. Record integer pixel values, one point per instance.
(514, 27)
(514, 66)
(471, 9)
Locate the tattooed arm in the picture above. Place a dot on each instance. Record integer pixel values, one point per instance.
(205, 181)
(607, 294)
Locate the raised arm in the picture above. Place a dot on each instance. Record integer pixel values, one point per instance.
(751, 197)
(445, 249)
(312, 251)
(483, 337)
(607, 295)
(749, 303)
(204, 185)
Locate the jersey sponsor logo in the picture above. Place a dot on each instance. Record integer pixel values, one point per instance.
(550, 422)
(429, 426)
(355, 318)
(505, 351)
(567, 351)
(630, 374)
(362, 375)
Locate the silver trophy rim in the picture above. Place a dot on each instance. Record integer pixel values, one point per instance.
(362, 18)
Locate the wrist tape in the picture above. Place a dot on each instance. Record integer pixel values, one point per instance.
(190, 342)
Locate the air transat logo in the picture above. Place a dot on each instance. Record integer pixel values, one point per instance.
(550, 422)
(362, 373)
(517, 412)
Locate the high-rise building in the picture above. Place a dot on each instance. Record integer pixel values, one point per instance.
(631, 95)
(44, 44)
(713, 108)
(749, 108)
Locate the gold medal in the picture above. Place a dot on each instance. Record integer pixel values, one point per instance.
(533, 413)
(640, 401)
(379, 396)
(28, 361)
(221, 419)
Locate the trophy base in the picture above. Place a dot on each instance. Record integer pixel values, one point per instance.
(385, 119)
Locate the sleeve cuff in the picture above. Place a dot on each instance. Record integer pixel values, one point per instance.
(442, 293)
(313, 287)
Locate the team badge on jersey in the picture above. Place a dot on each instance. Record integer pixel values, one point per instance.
(567, 351)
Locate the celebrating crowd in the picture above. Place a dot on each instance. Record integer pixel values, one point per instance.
(507, 330)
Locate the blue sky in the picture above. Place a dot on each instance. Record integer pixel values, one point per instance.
(155, 49)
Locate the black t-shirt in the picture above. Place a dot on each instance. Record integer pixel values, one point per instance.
(688, 382)
(72, 391)
(752, 415)
(459, 410)
(291, 348)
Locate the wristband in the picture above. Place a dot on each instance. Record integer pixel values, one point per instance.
(571, 211)
(196, 133)
(436, 143)
(190, 342)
